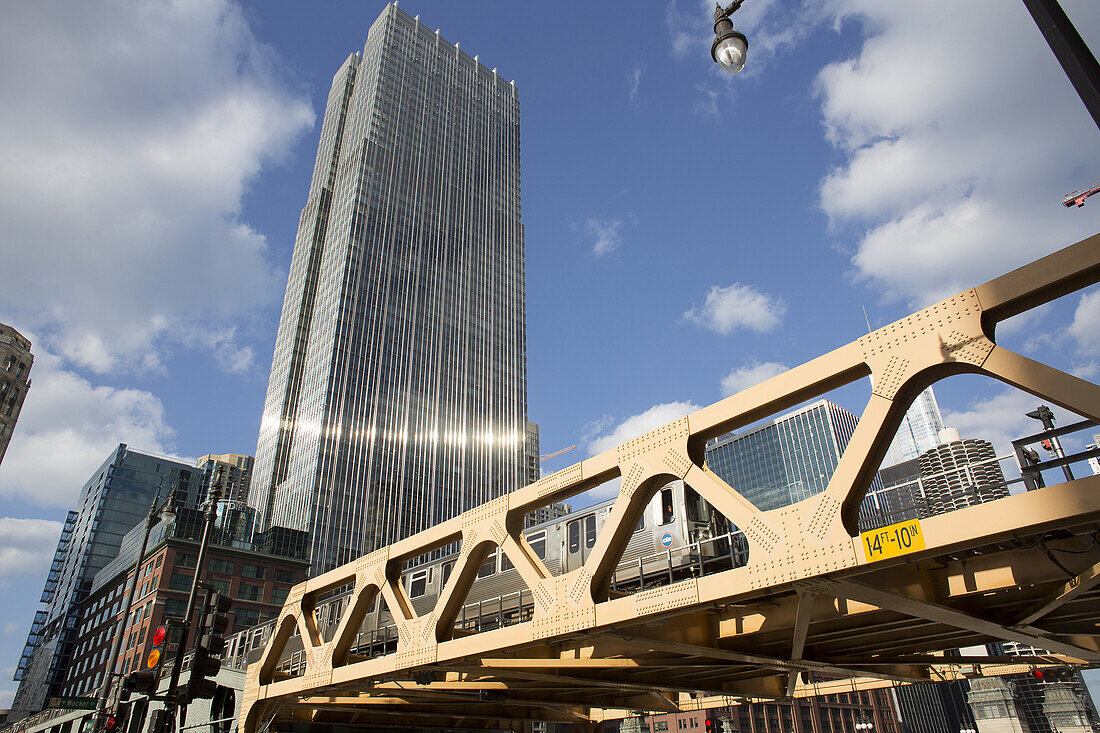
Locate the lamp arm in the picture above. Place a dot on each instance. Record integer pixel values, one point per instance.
(720, 12)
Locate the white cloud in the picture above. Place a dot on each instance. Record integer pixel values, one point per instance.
(634, 81)
(636, 425)
(68, 426)
(1086, 322)
(1001, 419)
(604, 435)
(128, 139)
(738, 306)
(751, 374)
(606, 235)
(26, 549)
(959, 134)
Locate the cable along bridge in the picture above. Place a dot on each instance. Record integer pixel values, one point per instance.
(806, 605)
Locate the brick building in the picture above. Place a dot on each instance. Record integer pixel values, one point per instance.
(257, 582)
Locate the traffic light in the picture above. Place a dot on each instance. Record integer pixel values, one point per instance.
(146, 679)
(709, 725)
(206, 662)
(115, 720)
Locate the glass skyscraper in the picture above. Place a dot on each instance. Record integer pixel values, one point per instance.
(398, 393)
(919, 431)
(787, 459)
(115, 499)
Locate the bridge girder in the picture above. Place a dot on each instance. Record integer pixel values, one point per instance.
(809, 611)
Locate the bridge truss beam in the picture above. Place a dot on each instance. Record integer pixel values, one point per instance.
(808, 612)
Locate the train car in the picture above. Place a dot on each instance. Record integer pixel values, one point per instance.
(679, 535)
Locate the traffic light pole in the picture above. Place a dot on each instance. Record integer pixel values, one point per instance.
(210, 513)
(112, 661)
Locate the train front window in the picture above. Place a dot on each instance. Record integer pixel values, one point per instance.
(668, 512)
(590, 531)
(537, 541)
(574, 532)
(505, 563)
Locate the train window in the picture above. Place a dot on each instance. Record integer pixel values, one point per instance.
(447, 568)
(697, 507)
(537, 541)
(489, 567)
(505, 563)
(590, 531)
(574, 532)
(668, 513)
(418, 582)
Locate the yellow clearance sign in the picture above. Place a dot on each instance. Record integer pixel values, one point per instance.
(897, 539)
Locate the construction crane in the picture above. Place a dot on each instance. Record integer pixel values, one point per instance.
(548, 456)
(1077, 198)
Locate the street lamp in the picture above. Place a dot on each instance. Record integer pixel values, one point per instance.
(158, 512)
(730, 46)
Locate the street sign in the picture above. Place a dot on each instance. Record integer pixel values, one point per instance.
(74, 703)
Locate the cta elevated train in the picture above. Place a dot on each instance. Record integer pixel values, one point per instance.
(679, 535)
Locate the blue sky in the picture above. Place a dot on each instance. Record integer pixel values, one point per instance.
(688, 232)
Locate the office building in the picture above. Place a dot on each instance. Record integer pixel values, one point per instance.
(960, 473)
(257, 582)
(115, 499)
(233, 470)
(918, 432)
(786, 460)
(15, 380)
(397, 397)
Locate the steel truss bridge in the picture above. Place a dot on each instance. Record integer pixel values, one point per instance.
(817, 608)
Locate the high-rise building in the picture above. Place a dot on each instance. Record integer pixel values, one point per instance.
(15, 380)
(787, 459)
(397, 396)
(233, 470)
(116, 498)
(919, 431)
(960, 473)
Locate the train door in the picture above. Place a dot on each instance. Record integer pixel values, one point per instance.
(580, 538)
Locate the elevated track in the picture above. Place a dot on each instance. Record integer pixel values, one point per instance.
(816, 608)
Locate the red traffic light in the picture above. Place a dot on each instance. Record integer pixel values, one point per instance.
(1037, 674)
(159, 635)
(110, 723)
(709, 725)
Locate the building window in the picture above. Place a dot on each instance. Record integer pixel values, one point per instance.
(180, 581)
(284, 576)
(175, 607)
(250, 592)
(222, 586)
(186, 561)
(247, 616)
(253, 571)
(278, 595)
(221, 566)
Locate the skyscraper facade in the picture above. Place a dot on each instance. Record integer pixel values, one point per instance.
(919, 431)
(787, 459)
(397, 396)
(116, 498)
(15, 380)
